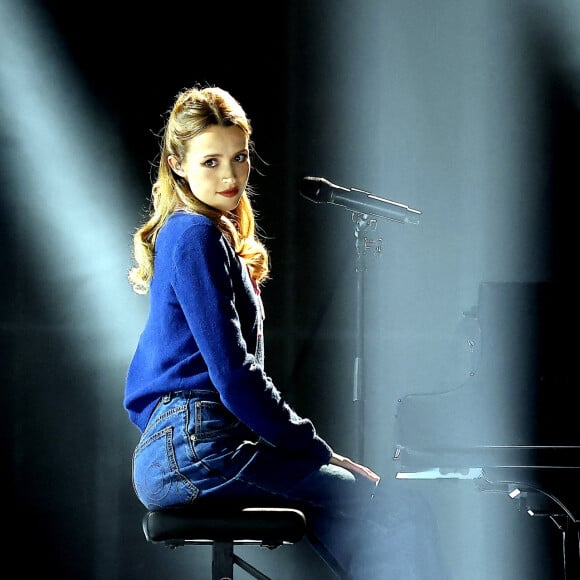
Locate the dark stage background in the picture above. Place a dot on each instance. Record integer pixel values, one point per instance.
(467, 111)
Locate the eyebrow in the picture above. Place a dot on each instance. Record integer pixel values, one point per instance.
(210, 155)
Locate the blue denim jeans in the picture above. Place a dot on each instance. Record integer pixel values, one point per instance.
(194, 448)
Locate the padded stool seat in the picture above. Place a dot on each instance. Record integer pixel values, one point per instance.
(223, 526)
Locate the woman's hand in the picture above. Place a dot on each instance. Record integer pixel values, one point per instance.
(351, 465)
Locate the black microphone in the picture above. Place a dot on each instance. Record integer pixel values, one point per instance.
(320, 190)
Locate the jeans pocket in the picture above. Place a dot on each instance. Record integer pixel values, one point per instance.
(157, 479)
(211, 420)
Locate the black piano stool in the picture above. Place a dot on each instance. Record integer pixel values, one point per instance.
(224, 527)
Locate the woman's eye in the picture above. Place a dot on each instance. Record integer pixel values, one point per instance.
(210, 162)
(241, 157)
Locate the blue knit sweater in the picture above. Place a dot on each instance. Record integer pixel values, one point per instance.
(204, 331)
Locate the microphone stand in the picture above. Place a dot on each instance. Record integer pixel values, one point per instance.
(321, 190)
(362, 224)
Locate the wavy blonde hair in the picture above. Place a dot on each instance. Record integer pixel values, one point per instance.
(195, 110)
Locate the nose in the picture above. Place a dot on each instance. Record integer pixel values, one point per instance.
(227, 179)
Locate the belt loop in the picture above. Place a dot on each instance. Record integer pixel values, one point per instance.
(166, 398)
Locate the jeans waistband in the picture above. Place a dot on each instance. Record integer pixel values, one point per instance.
(205, 394)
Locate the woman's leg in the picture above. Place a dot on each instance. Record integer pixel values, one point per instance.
(383, 532)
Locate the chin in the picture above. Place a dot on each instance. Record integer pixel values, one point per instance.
(229, 205)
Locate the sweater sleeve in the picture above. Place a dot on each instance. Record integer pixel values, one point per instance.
(202, 280)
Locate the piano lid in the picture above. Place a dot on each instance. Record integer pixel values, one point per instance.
(521, 391)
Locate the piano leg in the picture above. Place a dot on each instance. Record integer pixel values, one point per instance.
(571, 548)
(538, 503)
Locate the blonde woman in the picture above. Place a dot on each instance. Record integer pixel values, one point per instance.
(212, 422)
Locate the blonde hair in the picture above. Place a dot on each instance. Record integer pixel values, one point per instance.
(195, 110)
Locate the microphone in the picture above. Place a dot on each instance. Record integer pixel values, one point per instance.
(320, 190)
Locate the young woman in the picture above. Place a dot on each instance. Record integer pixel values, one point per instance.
(212, 422)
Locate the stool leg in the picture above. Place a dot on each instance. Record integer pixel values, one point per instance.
(222, 564)
(329, 560)
(253, 572)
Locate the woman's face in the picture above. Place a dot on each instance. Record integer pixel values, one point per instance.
(216, 166)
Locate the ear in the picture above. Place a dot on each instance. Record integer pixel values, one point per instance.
(175, 165)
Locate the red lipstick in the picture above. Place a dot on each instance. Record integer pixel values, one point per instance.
(230, 192)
